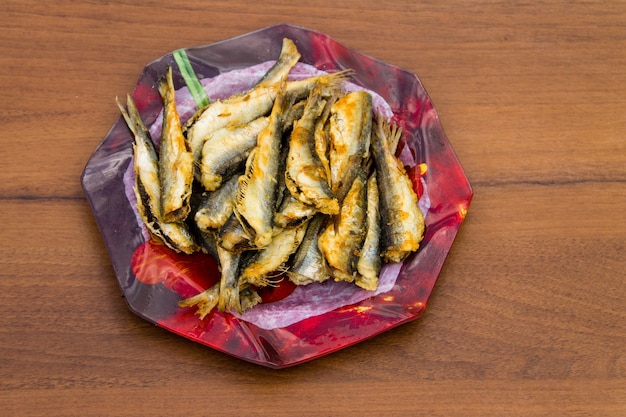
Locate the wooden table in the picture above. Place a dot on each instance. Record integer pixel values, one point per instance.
(528, 315)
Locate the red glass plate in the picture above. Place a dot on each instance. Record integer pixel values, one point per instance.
(153, 279)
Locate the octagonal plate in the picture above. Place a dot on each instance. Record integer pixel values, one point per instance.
(153, 279)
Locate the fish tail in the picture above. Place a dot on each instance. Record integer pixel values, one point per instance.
(166, 86)
(334, 80)
(206, 301)
(283, 102)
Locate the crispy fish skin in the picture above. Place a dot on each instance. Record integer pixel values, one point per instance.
(178, 237)
(271, 258)
(321, 135)
(217, 206)
(233, 237)
(305, 175)
(308, 263)
(349, 131)
(206, 240)
(402, 221)
(341, 241)
(370, 262)
(175, 160)
(225, 151)
(256, 202)
(292, 212)
(147, 188)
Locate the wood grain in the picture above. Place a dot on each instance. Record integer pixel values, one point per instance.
(528, 316)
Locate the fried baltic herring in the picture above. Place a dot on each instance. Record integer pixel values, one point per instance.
(402, 221)
(147, 188)
(350, 128)
(242, 108)
(271, 259)
(178, 237)
(256, 202)
(292, 212)
(225, 151)
(305, 175)
(207, 241)
(308, 263)
(146, 167)
(227, 294)
(235, 110)
(341, 240)
(230, 262)
(175, 160)
(232, 236)
(217, 206)
(321, 135)
(370, 262)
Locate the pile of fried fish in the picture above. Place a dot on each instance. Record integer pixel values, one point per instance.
(290, 178)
